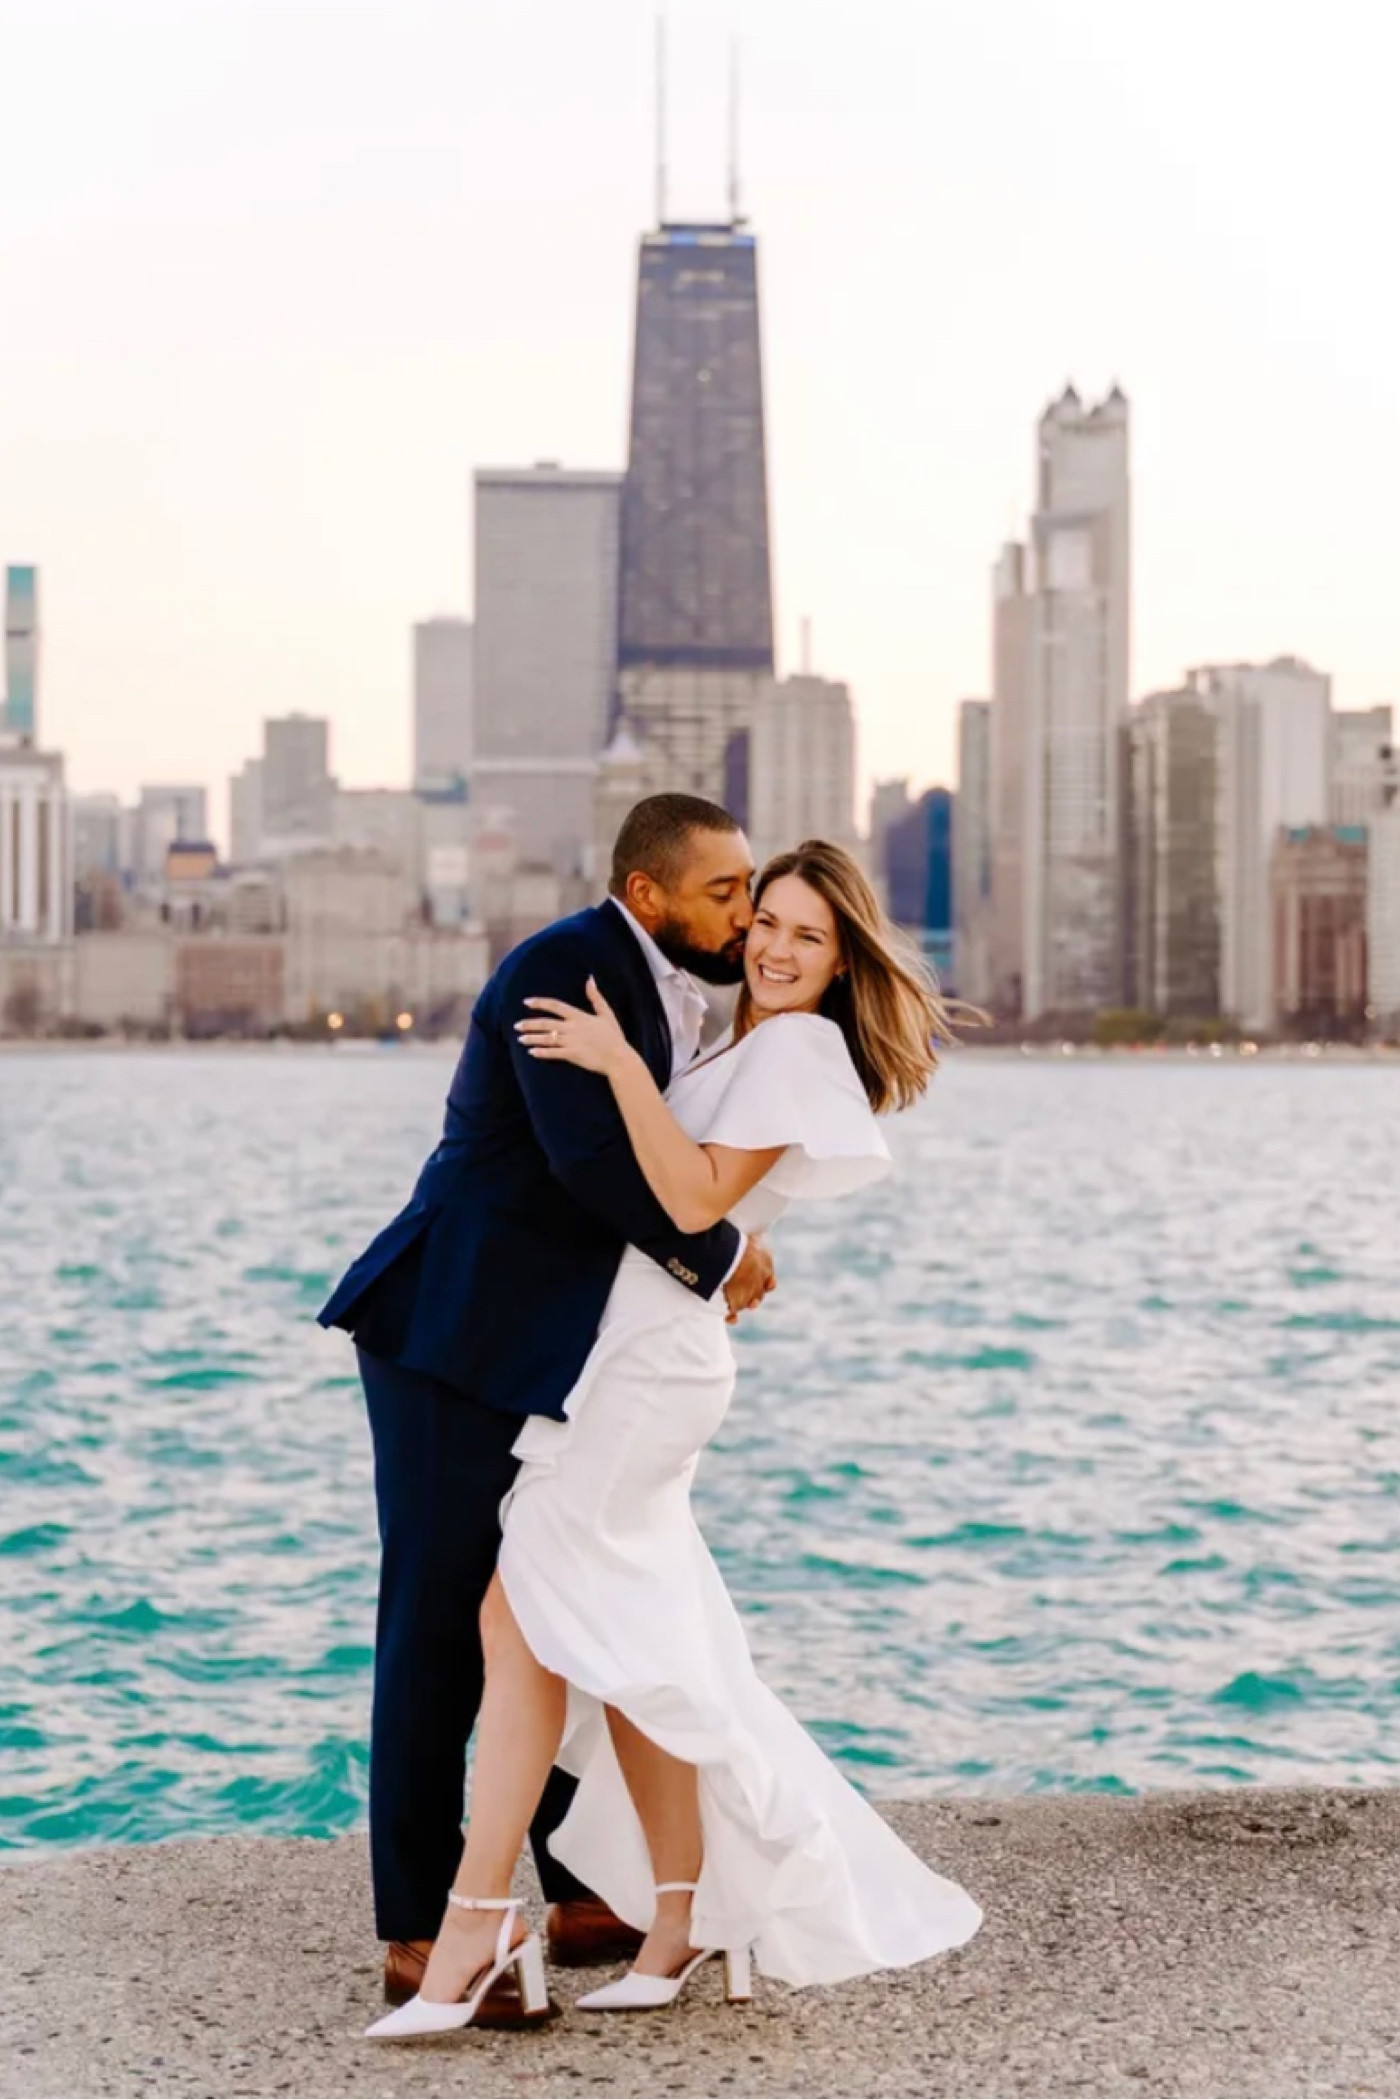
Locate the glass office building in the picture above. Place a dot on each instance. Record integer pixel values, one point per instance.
(19, 715)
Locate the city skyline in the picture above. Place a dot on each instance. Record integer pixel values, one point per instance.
(243, 500)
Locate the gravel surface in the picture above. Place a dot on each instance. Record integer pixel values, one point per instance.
(1230, 1943)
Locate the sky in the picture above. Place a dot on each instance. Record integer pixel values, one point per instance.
(276, 275)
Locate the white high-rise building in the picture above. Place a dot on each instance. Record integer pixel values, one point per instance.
(545, 653)
(972, 853)
(1363, 762)
(443, 664)
(298, 792)
(245, 814)
(36, 851)
(1012, 609)
(1076, 706)
(1273, 769)
(166, 815)
(97, 835)
(802, 765)
(1242, 863)
(1383, 921)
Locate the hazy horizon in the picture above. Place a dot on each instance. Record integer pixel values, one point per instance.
(280, 273)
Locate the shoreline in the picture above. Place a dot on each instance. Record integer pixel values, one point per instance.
(1322, 1053)
(1243, 1942)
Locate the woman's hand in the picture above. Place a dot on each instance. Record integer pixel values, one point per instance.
(595, 1042)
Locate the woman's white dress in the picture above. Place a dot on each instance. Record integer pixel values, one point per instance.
(615, 1590)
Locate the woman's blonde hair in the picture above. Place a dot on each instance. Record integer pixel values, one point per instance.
(885, 1000)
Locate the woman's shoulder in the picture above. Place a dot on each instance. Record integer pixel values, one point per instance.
(793, 1084)
(816, 1027)
(809, 1044)
(802, 1034)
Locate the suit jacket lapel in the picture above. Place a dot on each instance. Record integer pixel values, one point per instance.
(655, 1045)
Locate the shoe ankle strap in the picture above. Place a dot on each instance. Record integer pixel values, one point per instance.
(676, 1888)
(508, 1904)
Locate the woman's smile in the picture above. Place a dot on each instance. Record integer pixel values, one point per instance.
(794, 949)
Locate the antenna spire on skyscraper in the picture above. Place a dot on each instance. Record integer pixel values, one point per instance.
(660, 119)
(735, 218)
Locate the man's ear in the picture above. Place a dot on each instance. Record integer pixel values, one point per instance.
(644, 899)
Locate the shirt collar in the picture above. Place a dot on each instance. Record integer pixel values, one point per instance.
(661, 966)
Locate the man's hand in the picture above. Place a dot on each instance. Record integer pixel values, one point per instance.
(751, 1281)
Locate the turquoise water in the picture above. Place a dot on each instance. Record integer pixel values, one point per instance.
(1067, 1458)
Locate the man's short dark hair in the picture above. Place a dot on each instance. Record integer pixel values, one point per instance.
(656, 834)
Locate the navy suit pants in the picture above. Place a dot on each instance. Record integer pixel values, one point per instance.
(442, 1463)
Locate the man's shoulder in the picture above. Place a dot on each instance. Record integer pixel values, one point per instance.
(585, 938)
(560, 937)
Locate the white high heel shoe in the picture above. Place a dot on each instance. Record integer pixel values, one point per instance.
(423, 2016)
(635, 1992)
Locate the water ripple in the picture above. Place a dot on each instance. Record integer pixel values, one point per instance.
(1070, 1458)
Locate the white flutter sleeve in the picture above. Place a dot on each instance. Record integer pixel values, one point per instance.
(791, 1082)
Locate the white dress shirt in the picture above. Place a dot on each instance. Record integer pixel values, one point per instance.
(683, 1004)
(682, 1000)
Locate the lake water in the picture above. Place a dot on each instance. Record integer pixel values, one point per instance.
(1068, 1457)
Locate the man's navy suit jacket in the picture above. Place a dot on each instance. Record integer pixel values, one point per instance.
(494, 1276)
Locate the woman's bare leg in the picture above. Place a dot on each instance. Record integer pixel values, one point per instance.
(518, 1735)
(666, 1796)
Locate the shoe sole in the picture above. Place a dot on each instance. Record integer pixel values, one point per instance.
(399, 1995)
(495, 2020)
(524, 2019)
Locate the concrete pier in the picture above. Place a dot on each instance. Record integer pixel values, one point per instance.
(1230, 1943)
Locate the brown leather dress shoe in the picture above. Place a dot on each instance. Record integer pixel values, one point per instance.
(405, 1961)
(584, 1935)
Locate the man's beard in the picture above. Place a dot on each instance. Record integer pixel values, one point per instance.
(710, 965)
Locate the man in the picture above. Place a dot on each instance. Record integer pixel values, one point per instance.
(478, 1305)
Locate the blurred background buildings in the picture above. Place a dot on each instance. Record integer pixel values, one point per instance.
(1210, 861)
(1220, 858)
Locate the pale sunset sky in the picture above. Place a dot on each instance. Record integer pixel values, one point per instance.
(275, 275)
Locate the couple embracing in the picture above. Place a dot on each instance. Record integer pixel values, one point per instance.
(542, 1340)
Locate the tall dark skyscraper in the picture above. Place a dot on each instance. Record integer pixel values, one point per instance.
(695, 633)
(695, 583)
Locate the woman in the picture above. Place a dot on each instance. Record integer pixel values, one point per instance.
(704, 1815)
